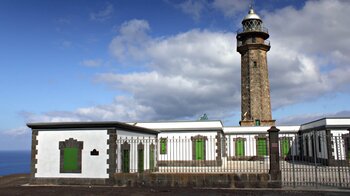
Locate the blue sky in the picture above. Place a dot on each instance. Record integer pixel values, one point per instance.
(137, 60)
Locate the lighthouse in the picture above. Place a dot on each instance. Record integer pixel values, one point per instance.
(253, 46)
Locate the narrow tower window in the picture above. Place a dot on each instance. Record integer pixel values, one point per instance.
(255, 64)
(257, 122)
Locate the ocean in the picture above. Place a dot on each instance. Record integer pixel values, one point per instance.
(14, 162)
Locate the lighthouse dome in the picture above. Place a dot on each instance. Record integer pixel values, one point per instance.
(251, 15)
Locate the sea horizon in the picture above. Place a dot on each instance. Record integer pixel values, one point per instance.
(14, 162)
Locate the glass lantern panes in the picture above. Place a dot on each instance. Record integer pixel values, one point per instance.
(252, 25)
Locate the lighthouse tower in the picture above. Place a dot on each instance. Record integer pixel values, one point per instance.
(253, 46)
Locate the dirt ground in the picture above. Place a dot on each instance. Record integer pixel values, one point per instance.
(18, 185)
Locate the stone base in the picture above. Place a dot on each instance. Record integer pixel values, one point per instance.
(72, 181)
(251, 123)
(196, 163)
(222, 180)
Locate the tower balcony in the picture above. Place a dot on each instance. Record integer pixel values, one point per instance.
(241, 43)
(253, 29)
(257, 31)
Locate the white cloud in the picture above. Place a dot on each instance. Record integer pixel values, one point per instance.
(198, 71)
(196, 8)
(92, 62)
(189, 75)
(131, 41)
(193, 8)
(305, 118)
(196, 59)
(307, 57)
(121, 109)
(104, 14)
(230, 7)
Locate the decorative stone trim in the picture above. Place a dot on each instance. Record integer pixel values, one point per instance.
(140, 146)
(218, 146)
(245, 158)
(224, 143)
(194, 163)
(70, 143)
(112, 152)
(72, 181)
(34, 152)
(194, 139)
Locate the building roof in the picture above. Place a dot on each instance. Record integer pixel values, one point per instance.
(259, 129)
(327, 123)
(90, 125)
(207, 125)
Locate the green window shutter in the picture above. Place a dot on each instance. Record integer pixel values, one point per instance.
(285, 146)
(140, 160)
(126, 161)
(262, 147)
(151, 158)
(199, 150)
(70, 159)
(163, 146)
(239, 147)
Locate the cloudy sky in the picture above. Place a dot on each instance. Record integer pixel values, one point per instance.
(137, 60)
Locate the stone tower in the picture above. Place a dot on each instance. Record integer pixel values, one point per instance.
(252, 44)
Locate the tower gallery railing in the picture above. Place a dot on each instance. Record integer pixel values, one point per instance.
(241, 43)
(255, 29)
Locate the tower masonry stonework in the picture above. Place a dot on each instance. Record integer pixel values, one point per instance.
(253, 46)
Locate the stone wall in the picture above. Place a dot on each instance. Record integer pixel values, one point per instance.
(222, 180)
(255, 86)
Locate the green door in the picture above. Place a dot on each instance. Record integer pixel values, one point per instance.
(285, 147)
(126, 161)
(70, 159)
(262, 147)
(199, 150)
(239, 147)
(140, 157)
(151, 158)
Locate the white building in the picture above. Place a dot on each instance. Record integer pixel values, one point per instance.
(93, 152)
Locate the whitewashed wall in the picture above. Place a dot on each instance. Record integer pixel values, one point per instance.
(179, 145)
(134, 139)
(48, 156)
(337, 140)
(249, 144)
(339, 144)
(320, 153)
